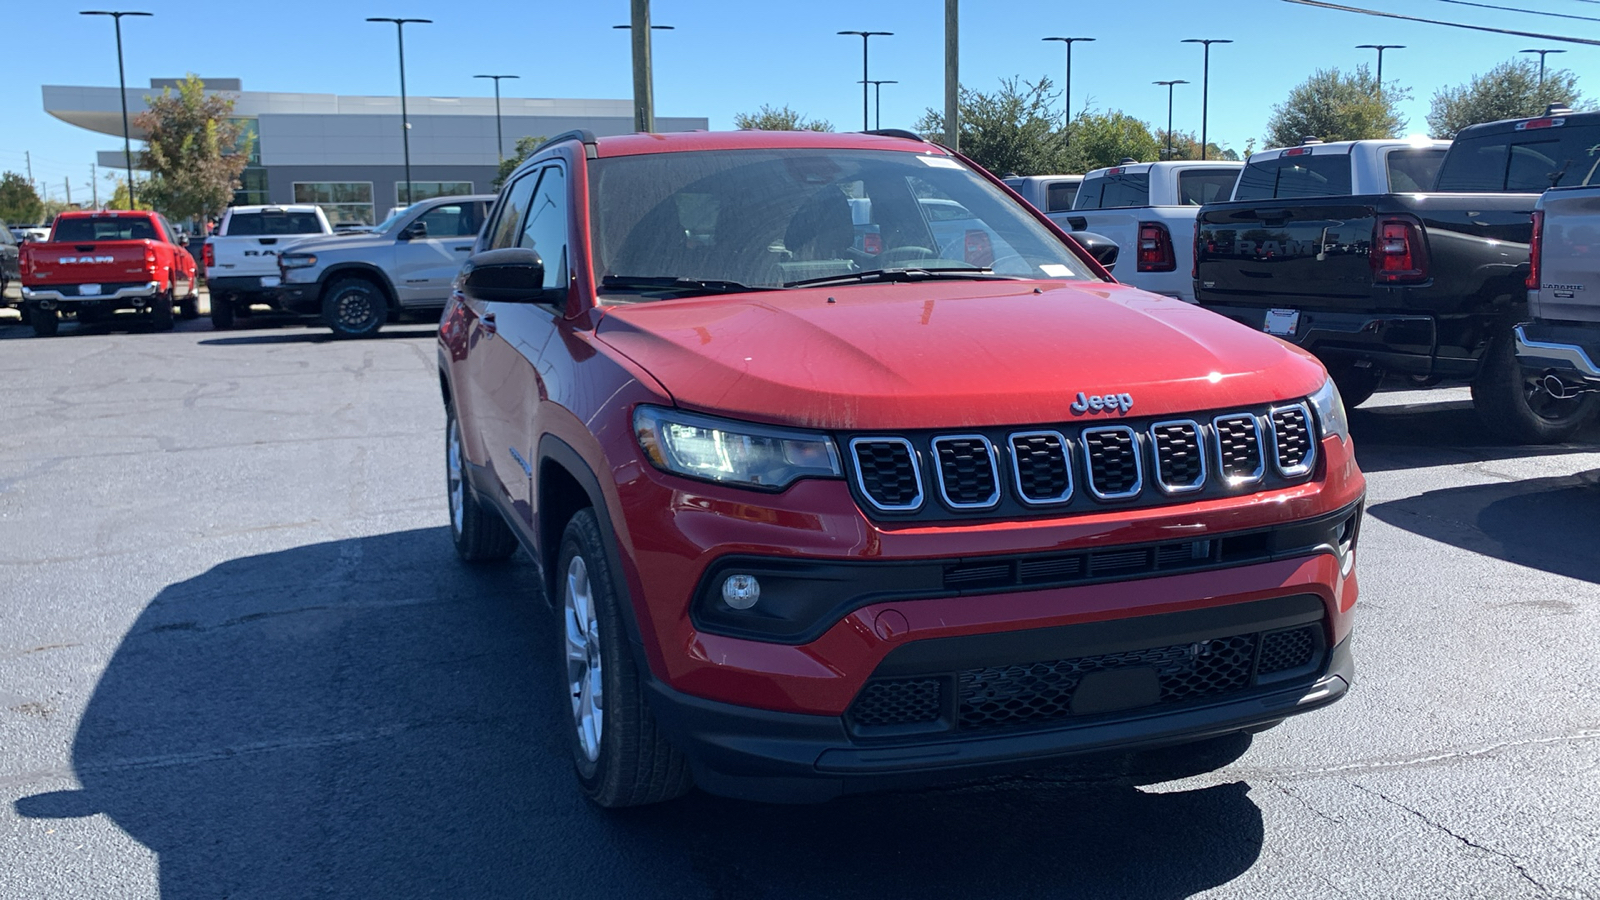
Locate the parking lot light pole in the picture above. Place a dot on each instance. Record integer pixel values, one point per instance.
(1169, 85)
(644, 78)
(499, 136)
(405, 119)
(122, 84)
(1380, 48)
(877, 101)
(865, 35)
(1066, 90)
(1541, 62)
(1205, 85)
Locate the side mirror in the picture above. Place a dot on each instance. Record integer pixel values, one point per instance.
(417, 229)
(1103, 249)
(511, 275)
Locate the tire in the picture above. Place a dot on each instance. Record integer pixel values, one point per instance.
(1356, 384)
(161, 318)
(189, 307)
(354, 308)
(221, 312)
(480, 535)
(1519, 411)
(618, 752)
(45, 322)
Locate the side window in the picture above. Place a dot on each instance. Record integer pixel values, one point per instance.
(1059, 196)
(544, 228)
(1532, 167)
(1089, 193)
(453, 220)
(513, 203)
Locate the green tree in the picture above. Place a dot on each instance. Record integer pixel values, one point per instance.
(119, 196)
(1186, 145)
(772, 118)
(1507, 91)
(1335, 106)
(1010, 131)
(1106, 138)
(524, 149)
(194, 151)
(19, 202)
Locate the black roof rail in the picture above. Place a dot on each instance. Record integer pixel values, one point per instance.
(582, 135)
(897, 133)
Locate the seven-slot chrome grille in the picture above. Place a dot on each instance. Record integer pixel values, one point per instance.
(1125, 462)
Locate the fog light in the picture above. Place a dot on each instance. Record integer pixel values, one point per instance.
(741, 591)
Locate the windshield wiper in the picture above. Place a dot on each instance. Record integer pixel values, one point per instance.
(909, 273)
(677, 285)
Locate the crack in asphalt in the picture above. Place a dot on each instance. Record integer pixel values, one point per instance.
(1432, 759)
(1466, 841)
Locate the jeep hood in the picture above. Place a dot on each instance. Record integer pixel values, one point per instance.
(951, 354)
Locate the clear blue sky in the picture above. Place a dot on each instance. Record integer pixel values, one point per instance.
(727, 57)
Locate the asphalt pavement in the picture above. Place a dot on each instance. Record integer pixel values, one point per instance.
(239, 658)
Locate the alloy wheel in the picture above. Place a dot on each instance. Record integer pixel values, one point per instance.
(584, 670)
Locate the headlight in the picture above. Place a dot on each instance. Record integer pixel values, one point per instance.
(1330, 411)
(297, 260)
(742, 453)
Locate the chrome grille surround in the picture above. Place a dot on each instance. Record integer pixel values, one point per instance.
(940, 472)
(1089, 461)
(1250, 476)
(1016, 466)
(1309, 458)
(916, 471)
(1199, 437)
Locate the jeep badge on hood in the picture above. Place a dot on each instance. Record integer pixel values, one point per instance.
(1102, 403)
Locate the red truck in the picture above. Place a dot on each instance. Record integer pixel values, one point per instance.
(97, 263)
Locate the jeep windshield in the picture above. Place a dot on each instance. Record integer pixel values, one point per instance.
(771, 218)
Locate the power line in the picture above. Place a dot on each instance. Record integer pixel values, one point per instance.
(1389, 15)
(1530, 12)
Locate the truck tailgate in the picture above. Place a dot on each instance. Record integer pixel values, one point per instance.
(95, 262)
(245, 255)
(1268, 252)
(1569, 276)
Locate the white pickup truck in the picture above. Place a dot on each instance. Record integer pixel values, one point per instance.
(241, 259)
(1047, 193)
(1149, 210)
(1341, 169)
(1559, 350)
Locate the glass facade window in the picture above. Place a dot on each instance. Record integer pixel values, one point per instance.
(343, 202)
(427, 190)
(252, 188)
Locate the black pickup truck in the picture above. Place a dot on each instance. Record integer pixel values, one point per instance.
(1426, 285)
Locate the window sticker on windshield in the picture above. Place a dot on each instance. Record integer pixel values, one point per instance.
(1055, 270)
(940, 162)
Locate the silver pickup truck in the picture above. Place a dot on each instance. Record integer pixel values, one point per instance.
(1560, 347)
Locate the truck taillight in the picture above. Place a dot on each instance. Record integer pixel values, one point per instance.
(1398, 253)
(1535, 250)
(210, 255)
(1194, 259)
(1155, 248)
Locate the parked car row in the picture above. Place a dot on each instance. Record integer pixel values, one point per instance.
(98, 265)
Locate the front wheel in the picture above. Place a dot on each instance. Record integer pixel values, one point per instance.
(46, 322)
(354, 308)
(221, 312)
(189, 307)
(618, 751)
(1518, 409)
(480, 535)
(161, 313)
(1356, 384)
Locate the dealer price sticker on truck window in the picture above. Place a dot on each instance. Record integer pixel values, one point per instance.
(1282, 322)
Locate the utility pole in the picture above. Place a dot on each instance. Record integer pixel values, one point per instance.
(1066, 92)
(27, 156)
(952, 74)
(1382, 47)
(1169, 86)
(499, 136)
(865, 35)
(94, 183)
(405, 119)
(1541, 62)
(644, 92)
(877, 101)
(1205, 86)
(122, 82)
(67, 183)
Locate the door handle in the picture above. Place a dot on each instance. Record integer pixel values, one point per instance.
(463, 249)
(488, 323)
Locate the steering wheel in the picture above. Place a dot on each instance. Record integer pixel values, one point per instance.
(1012, 264)
(905, 254)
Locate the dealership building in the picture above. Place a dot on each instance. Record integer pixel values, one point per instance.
(345, 153)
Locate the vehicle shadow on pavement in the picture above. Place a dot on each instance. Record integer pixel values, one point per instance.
(371, 718)
(318, 337)
(1542, 523)
(1441, 433)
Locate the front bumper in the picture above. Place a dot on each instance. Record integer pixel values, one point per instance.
(124, 296)
(788, 757)
(300, 298)
(1567, 352)
(1407, 344)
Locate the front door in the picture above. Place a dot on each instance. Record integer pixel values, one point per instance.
(431, 250)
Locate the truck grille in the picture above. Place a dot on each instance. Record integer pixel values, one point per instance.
(1036, 474)
(1041, 693)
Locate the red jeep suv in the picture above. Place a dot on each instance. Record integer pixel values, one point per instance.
(847, 469)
